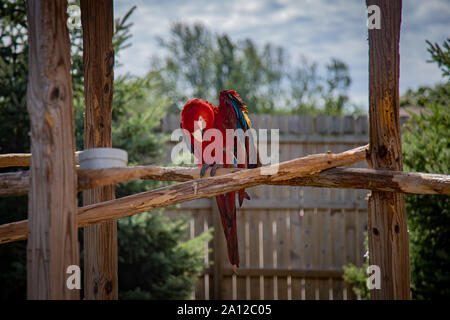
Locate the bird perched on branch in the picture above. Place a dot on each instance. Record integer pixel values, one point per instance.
(224, 131)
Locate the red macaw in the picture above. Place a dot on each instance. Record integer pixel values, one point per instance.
(197, 116)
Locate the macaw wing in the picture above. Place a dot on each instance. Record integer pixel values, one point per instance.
(243, 122)
(240, 109)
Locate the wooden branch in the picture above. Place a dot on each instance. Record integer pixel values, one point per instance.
(15, 160)
(203, 188)
(17, 183)
(376, 180)
(14, 183)
(53, 242)
(347, 178)
(387, 227)
(20, 159)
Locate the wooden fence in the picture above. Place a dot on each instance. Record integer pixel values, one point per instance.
(293, 241)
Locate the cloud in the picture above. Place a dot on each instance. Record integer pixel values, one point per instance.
(318, 29)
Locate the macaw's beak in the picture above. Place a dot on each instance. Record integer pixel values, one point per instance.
(198, 135)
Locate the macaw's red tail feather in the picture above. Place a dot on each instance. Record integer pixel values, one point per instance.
(227, 210)
(243, 195)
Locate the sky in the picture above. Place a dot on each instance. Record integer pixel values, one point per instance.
(315, 29)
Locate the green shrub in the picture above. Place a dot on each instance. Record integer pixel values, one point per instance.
(153, 262)
(426, 149)
(357, 277)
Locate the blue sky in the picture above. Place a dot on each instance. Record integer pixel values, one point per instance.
(315, 29)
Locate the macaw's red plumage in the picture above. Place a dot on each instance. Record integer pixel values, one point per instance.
(197, 116)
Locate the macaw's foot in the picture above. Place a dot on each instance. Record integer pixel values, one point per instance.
(205, 167)
(214, 168)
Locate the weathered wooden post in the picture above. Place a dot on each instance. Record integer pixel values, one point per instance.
(100, 241)
(388, 234)
(53, 239)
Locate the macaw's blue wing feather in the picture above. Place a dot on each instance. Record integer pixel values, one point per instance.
(243, 122)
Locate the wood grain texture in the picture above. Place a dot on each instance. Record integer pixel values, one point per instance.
(100, 241)
(388, 234)
(19, 159)
(15, 160)
(17, 183)
(14, 183)
(203, 188)
(53, 239)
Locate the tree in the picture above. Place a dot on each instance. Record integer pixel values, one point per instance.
(426, 149)
(338, 81)
(159, 266)
(426, 143)
(200, 64)
(14, 126)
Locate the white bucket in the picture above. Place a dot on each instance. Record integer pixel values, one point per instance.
(101, 158)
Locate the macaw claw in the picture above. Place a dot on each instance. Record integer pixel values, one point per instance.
(214, 168)
(205, 166)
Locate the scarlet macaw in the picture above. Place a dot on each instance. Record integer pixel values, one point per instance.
(197, 116)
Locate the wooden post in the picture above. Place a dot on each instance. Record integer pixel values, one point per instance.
(52, 242)
(388, 234)
(100, 241)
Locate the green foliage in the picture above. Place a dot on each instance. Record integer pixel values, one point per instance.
(439, 94)
(357, 277)
(441, 56)
(14, 126)
(200, 64)
(425, 95)
(338, 81)
(426, 149)
(141, 103)
(426, 141)
(13, 78)
(155, 261)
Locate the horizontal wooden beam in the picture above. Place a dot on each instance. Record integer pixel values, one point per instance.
(376, 180)
(20, 159)
(14, 183)
(15, 160)
(203, 188)
(17, 183)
